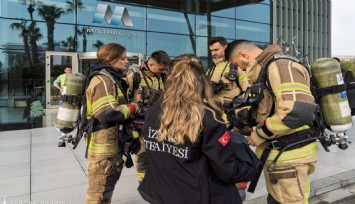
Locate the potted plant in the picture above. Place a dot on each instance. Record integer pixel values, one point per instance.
(36, 113)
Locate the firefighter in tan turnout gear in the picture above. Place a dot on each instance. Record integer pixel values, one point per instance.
(107, 104)
(225, 79)
(146, 84)
(284, 115)
(223, 75)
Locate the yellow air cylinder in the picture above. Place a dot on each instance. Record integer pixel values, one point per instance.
(68, 114)
(335, 107)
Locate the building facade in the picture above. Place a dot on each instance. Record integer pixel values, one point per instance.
(306, 23)
(40, 37)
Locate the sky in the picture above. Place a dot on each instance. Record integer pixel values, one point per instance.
(343, 27)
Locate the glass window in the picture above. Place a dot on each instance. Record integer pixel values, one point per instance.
(19, 81)
(202, 46)
(170, 21)
(219, 26)
(59, 10)
(14, 37)
(222, 27)
(223, 8)
(91, 38)
(254, 12)
(105, 14)
(253, 31)
(181, 5)
(201, 25)
(265, 1)
(173, 44)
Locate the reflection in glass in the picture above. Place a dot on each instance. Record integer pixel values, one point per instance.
(254, 12)
(253, 31)
(222, 27)
(201, 25)
(170, 21)
(136, 13)
(174, 45)
(28, 9)
(57, 66)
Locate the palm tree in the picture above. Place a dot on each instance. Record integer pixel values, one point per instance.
(34, 34)
(84, 33)
(98, 44)
(50, 14)
(24, 35)
(74, 6)
(31, 5)
(69, 43)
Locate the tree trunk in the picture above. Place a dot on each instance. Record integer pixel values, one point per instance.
(27, 49)
(84, 41)
(34, 50)
(50, 33)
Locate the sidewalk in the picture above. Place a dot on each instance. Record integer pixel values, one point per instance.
(33, 168)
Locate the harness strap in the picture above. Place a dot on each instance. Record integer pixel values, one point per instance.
(71, 99)
(289, 142)
(330, 90)
(88, 127)
(263, 158)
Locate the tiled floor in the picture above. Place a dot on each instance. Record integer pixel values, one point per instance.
(33, 168)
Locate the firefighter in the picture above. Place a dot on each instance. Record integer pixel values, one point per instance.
(224, 79)
(107, 102)
(145, 86)
(284, 115)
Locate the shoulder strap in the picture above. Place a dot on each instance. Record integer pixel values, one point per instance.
(263, 72)
(211, 70)
(115, 82)
(136, 78)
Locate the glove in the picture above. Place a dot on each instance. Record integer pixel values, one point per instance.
(133, 107)
(241, 120)
(135, 146)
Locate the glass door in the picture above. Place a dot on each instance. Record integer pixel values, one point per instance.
(56, 62)
(88, 59)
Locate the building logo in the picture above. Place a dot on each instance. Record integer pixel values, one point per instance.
(104, 11)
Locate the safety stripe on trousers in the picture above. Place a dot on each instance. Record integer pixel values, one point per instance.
(292, 154)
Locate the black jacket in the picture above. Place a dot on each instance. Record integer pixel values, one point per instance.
(203, 172)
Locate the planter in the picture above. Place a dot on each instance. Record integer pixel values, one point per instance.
(37, 122)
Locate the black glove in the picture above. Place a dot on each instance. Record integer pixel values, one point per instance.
(241, 120)
(135, 146)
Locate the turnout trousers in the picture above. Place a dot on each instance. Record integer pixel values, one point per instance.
(102, 177)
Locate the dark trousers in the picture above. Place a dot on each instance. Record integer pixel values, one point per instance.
(271, 200)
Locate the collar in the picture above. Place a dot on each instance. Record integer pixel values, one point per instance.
(255, 65)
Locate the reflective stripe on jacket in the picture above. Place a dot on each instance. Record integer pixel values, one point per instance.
(155, 81)
(103, 98)
(230, 89)
(288, 105)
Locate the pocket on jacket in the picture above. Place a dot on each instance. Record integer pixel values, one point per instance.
(284, 185)
(265, 105)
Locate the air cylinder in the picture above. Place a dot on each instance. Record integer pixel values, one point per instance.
(335, 106)
(69, 112)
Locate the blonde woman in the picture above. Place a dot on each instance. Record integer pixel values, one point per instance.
(192, 158)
